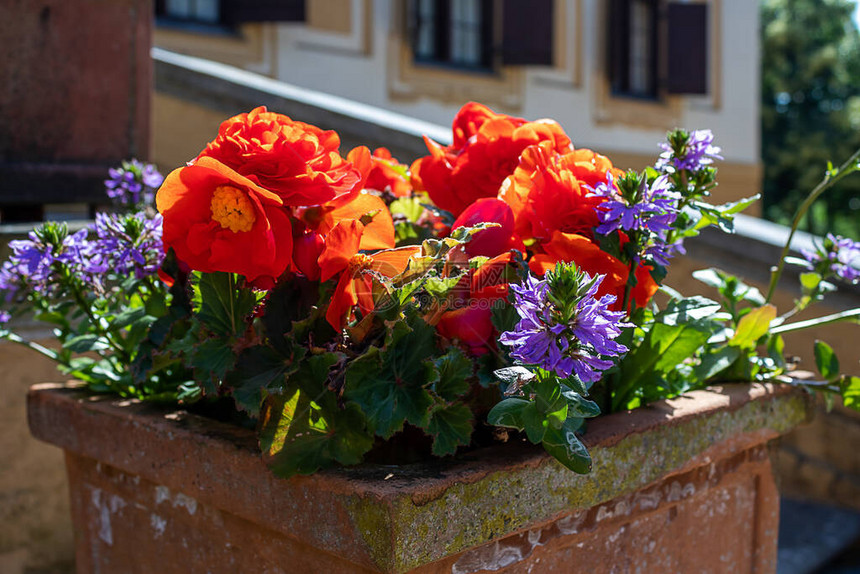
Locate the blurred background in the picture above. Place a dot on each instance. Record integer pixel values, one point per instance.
(85, 84)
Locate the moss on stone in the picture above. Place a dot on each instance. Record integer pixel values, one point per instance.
(403, 535)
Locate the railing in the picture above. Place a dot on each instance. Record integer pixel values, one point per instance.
(750, 252)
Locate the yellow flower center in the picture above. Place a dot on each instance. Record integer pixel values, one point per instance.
(232, 209)
(358, 262)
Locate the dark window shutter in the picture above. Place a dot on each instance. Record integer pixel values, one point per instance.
(527, 32)
(688, 49)
(238, 11)
(618, 54)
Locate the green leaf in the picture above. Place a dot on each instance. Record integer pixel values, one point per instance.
(688, 309)
(211, 359)
(448, 375)
(826, 361)
(450, 426)
(850, 391)
(439, 287)
(389, 384)
(810, 281)
(128, 317)
(776, 350)
(300, 436)
(508, 413)
(753, 326)
(715, 363)
(729, 286)
(258, 369)
(86, 343)
(579, 406)
(514, 375)
(565, 447)
(410, 207)
(220, 304)
(662, 350)
(534, 422)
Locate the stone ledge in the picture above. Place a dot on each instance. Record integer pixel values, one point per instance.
(423, 512)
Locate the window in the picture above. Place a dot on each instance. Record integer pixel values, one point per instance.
(633, 48)
(230, 12)
(657, 47)
(455, 33)
(198, 11)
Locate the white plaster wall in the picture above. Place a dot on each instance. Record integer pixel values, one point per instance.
(362, 76)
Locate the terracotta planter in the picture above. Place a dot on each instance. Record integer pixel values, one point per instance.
(681, 486)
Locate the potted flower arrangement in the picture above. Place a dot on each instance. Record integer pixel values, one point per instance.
(500, 291)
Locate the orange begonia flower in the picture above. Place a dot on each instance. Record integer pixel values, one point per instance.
(297, 161)
(378, 233)
(386, 174)
(551, 192)
(341, 255)
(218, 220)
(569, 247)
(486, 149)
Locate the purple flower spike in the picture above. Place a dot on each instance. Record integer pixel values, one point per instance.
(125, 245)
(838, 256)
(655, 210)
(567, 343)
(134, 183)
(698, 152)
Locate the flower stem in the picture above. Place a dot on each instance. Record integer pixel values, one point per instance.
(830, 179)
(13, 338)
(850, 315)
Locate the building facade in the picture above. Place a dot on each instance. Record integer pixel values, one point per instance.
(617, 74)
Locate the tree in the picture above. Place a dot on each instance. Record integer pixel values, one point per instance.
(810, 109)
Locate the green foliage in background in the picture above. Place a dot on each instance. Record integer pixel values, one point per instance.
(810, 109)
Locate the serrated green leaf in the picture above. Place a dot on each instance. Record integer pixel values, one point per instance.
(450, 426)
(449, 374)
(211, 359)
(439, 287)
(753, 326)
(258, 369)
(388, 384)
(508, 413)
(826, 360)
(300, 436)
(662, 350)
(220, 304)
(565, 447)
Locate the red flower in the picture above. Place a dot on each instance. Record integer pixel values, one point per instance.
(297, 161)
(218, 220)
(494, 240)
(485, 151)
(471, 324)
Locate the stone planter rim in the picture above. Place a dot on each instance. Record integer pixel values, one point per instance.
(387, 509)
